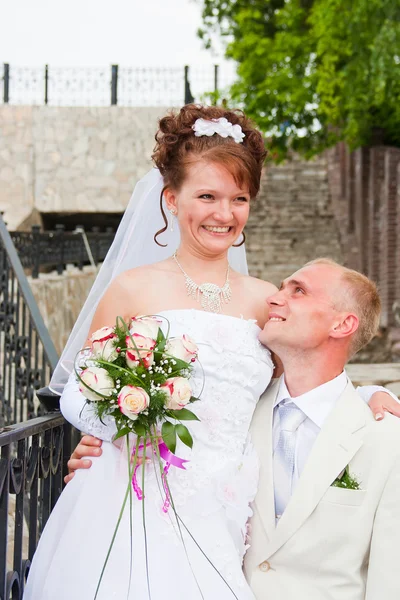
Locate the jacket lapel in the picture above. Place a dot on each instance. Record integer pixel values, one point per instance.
(339, 440)
(261, 433)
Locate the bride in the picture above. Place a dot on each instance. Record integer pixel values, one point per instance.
(209, 163)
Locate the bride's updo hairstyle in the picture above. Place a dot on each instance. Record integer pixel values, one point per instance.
(177, 148)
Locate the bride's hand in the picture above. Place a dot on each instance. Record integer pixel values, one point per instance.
(88, 446)
(381, 402)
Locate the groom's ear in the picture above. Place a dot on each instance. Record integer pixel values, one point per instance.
(170, 199)
(346, 324)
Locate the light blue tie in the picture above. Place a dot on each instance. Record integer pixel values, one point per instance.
(290, 417)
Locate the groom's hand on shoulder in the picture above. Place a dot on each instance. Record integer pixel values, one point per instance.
(88, 446)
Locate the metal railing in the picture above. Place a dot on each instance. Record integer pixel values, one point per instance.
(56, 249)
(105, 86)
(27, 353)
(33, 453)
(32, 464)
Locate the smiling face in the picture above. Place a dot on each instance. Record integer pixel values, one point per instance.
(211, 208)
(303, 314)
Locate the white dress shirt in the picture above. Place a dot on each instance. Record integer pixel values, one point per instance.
(316, 405)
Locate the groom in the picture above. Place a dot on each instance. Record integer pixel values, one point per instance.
(326, 522)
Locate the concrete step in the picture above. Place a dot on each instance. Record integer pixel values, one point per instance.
(379, 373)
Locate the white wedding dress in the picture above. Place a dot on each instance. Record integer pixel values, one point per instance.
(211, 496)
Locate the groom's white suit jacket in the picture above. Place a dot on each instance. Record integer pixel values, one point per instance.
(330, 543)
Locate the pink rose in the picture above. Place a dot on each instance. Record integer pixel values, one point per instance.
(98, 380)
(183, 348)
(178, 392)
(103, 344)
(146, 326)
(144, 351)
(133, 400)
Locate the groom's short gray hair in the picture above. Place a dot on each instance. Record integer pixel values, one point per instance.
(362, 299)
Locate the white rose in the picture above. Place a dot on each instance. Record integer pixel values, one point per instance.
(144, 351)
(98, 380)
(103, 344)
(183, 348)
(146, 326)
(133, 400)
(178, 392)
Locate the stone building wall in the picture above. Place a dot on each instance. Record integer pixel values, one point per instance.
(292, 221)
(79, 159)
(60, 299)
(365, 191)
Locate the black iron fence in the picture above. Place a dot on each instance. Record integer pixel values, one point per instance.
(102, 86)
(32, 465)
(34, 447)
(27, 353)
(55, 249)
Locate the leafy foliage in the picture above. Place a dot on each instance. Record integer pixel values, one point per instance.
(312, 72)
(347, 481)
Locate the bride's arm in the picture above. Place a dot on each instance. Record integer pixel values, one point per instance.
(118, 300)
(379, 398)
(81, 414)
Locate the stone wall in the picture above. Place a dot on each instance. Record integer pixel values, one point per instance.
(365, 189)
(57, 159)
(60, 299)
(292, 221)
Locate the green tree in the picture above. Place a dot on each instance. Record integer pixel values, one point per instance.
(312, 72)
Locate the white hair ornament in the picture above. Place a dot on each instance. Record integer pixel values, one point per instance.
(222, 126)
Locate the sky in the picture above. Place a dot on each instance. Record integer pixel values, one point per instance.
(102, 32)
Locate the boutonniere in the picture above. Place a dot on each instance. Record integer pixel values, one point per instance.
(346, 480)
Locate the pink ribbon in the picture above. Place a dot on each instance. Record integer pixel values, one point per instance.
(170, 460)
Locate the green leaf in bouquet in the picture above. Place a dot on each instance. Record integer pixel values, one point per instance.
(121, 433)
(180, 365)
(194, 399)
(168, 434)
(183, 415)
(161, 341)
(140, 429)
(184, 435)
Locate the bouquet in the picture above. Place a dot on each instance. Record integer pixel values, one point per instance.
(141, 378)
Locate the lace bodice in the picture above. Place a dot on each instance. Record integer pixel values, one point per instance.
(233, 371)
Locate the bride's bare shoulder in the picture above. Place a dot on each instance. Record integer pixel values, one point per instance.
(259, 286)
(121, 296)
(134, 278)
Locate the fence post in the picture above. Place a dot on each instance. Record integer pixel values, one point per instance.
(96, 239)
(46, 84)
(6, 83)
(188, 94)
(36, 250)
(80, 230)
(60, 228)
(216, 73)
(114, 85)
